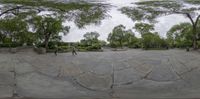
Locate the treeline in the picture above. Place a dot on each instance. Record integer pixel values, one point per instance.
(120, 37)
(15, 32)
(179, 36)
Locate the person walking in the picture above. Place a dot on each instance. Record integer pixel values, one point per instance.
(187, 49)
(74, 51)
(56, 50)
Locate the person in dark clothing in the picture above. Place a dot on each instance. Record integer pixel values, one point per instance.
(56, 50)
(187, 49)
(74, 51)
(167, 47)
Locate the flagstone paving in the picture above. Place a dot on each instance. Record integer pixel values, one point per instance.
(103, 75)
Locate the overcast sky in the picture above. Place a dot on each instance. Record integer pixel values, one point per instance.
(117, 18)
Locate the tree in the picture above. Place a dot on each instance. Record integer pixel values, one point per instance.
(91, 35)
(150, 10)
(91, 41)
(153, 40)
(48, 28)
(91, 38)
(82, 13)
(130, 40)
(13, 28)
(180, 35)
(117, 37)
(10, 10)
(150, 39)
(143, 28)
(121, 37)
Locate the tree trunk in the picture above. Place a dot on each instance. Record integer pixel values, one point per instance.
(194, 24)
(195, 45)
(46, 42)
(46, 45)
(195, 42)
(121, 44)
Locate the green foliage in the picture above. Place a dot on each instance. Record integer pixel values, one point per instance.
(130, 40)
(133, 13)
(92, 15)
(82, 13)
(91, 42)
(150, 10)
(153, 40)
(103, 43)
(16, 30)
(121, 37)
(192, 1)
(180, 35)
(91, 36)
(117, 37)
(49, 4)
(94, 47)
(165, 4)
(143, 28)
(48, 28)
(149, 39)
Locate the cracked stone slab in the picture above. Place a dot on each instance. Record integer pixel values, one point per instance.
(192, 77)
(102, 68)
(170, 73)
(162, 73)
(4, 58)
(127, 76)
(22, 68)
(144, 68)
(86, 64)
(6, 84)
(121, 65)
(6, 78)
(179, 68)
(6, 91)
(6, 66)
(193, 64)
(39, 86)
(69, 71)
(148, 88)
(45, 68)
(95, 82)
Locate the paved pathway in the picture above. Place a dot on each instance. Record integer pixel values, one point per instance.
(105, 75)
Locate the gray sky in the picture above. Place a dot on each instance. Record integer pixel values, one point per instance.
(117, 18)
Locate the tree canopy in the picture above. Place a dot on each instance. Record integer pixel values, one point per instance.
(82, 13)
(150, 10)
(18, 16)
(12, 28)
(120, 37)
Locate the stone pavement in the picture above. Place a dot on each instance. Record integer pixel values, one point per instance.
(101, 75)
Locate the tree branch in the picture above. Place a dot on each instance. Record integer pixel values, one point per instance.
(197, 20)
(15, 8)
(190, 17)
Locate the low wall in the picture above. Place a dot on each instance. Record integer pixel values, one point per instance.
(15, 50)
